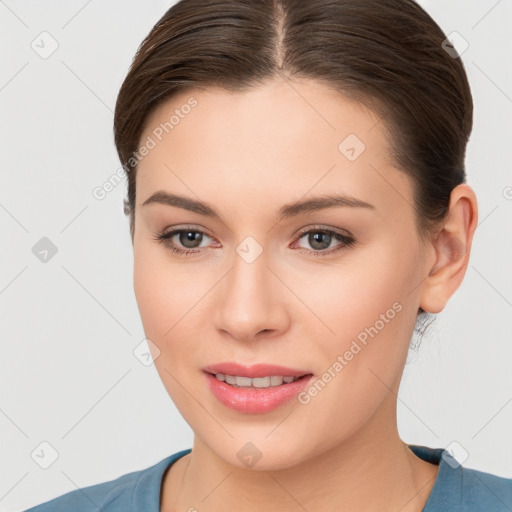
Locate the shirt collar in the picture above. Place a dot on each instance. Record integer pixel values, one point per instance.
(446, 494)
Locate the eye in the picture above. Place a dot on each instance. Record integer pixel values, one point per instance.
(188, 237)
(320, 239)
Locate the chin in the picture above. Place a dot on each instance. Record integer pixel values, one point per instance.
(262, 456)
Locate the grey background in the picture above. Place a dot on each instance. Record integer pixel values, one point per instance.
(70, 325)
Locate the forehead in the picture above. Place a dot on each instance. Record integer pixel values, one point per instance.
(290, 110)
(279, 142)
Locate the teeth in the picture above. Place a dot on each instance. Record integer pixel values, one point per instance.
(243, 381)
(258, 382)
(276, 381)
(230, 379)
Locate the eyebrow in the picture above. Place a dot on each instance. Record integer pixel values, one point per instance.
(288, 210)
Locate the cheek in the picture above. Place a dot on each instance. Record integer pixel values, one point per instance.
(366, 289)
(373, 317)
(161, 293)
(171, 298)
(166, 294)
(160, 288)
(153, 303)
(369, 306)
(164, 302)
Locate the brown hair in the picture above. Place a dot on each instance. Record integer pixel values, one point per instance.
(388, 55)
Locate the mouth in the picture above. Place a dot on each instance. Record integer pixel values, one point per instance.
(255, 389)
(269, 381)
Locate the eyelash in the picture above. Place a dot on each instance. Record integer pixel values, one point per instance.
(346, 241)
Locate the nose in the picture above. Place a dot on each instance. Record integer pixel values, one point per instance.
(250, 301)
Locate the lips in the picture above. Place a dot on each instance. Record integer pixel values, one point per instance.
(255, 389)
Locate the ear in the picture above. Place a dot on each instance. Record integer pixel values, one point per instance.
(450, 250)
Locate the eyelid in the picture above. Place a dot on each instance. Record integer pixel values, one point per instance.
(164, 237)
(328, 229)
(186, 227)
(345, 238)
(302, 231)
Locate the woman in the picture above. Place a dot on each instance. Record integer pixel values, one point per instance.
(297, 200)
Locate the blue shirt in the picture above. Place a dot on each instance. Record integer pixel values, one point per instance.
(456, 489)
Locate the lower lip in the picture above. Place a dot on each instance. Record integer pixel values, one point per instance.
(255, 400)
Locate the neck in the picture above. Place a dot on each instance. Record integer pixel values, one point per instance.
(374, 470)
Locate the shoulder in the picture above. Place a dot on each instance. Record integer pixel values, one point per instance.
(125, 493)
(94, 497)
(459, 488)
(486, 491)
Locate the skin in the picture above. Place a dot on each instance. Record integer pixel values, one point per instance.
(247, 154)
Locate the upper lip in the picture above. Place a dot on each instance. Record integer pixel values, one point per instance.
(254, 371)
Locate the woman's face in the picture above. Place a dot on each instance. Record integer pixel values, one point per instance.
(327, 292)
